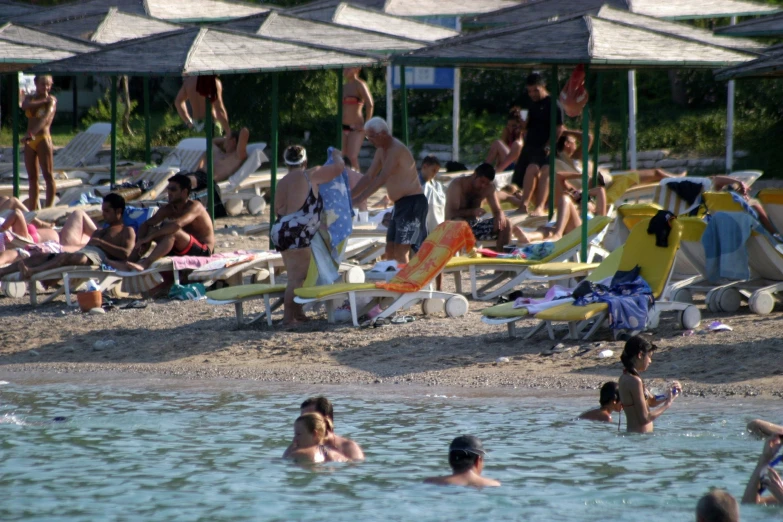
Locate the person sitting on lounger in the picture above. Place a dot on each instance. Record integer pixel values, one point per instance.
(74, 234)
(504, 153)
(298, 206)
(182, 227)
(463, 202)
(228, 154)
(466, 458)
(112, 243)
(344, 446)
(188, 93)
(568, 216)
(610, 402)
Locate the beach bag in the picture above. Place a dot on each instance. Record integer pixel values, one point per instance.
(574, 96)
(191, 292)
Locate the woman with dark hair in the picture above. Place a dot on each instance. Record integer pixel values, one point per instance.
(503, 153)
(466, 458)
(636, 399)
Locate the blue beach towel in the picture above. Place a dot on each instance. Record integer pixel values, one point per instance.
(629, 302)
(724, 246)
(338, 211)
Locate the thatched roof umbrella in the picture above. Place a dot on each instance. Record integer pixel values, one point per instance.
(585, 40)
(20, 48)
(766, 67)
(423, 8)
(755, 27)
(208, 51)
(10, 9)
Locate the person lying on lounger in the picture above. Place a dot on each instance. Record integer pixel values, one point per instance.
(463, 202)
(44, 239)
(738, 187)
(106, 245)
(228, 154)
(182, 227)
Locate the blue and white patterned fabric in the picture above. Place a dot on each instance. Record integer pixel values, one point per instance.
(629, 303)
(338, 212)
(133, 216)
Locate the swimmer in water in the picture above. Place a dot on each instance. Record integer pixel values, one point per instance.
(765, 476)
(717, 506)
(762, 428)
(636, 399)
(342, 445)
(466, 458)
(610, 402)
(309, 436)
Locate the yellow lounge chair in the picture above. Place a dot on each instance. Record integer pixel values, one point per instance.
(410, 283)
(512, 272)
(656, 264)
(506, 313)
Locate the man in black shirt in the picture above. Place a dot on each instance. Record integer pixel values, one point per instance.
(534, 153)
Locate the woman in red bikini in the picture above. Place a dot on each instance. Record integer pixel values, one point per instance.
(356, 95)
(39, 109)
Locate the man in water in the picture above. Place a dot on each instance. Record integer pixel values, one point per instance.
(188, 93)
(107, 245)
(180, 228)
(610, 402)
(717, 506)
(343, 445)
(228, 154)
(466, 458)
(393, 167)
(463, 202)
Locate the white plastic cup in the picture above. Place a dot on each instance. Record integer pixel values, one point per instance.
(364, 217)
(523, 113)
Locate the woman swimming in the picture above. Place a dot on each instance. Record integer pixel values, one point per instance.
(40, 109)
(310, 432)
(356, 95)
(298, 207)
(503, 153)
(635, 398)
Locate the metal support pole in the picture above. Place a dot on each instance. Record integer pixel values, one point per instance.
(456, 107)
(147, 127)
(273, 152)
(210, 167)
(404, 93)
(632, 118)
(75, 100)
(730, 120)
(624, 126)
(597, 123)
(15, 130)
(554, 87)
(585, 176)
(339, 142)
(113, 167)
(390, 97)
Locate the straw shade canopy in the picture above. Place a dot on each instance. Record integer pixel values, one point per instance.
(9, 9)
(172, 11)
(767, 67)
(203, 51)
(672, 9)
(682, 30)
(764, 26)
(109, 26)
(352, 16)
(279, 25)
(21, 47)
(426, 7)
(578, 40)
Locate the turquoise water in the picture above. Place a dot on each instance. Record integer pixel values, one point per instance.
(171, 453)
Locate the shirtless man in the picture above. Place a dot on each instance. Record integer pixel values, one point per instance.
(180, 228)
(463, 202)
(188, 93)
(107, 245)
(394, 167)
(342, 445)
(228, 154)
(466, 458)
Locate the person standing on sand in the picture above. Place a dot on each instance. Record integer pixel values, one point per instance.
(393, 167)
(356, 96)
(194, 120)
(40, 109)
(636, 399)
(344, 446)
(610, 402)
(466, 458)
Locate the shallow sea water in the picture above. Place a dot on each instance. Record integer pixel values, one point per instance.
(171, 453)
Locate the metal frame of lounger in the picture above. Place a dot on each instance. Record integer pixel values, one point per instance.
(269, 306)
(68, 275)
(234, 275)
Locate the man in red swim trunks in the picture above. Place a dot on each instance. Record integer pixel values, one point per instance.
(180, 228)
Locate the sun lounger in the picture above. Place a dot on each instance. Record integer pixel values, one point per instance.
(409, 285)
(512, 272)
(506, 313)
(656, 264)
(67, 279)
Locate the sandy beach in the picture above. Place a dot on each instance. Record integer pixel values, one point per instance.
(196, 340)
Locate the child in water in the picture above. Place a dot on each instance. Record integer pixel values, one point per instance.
(609, 401)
